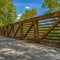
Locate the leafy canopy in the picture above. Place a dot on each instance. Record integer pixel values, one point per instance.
(53, 5)
(7, 12)
(29, 14)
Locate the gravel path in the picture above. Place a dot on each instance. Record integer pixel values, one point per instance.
(11, 49)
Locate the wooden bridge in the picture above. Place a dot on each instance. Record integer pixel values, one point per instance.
(43, 29)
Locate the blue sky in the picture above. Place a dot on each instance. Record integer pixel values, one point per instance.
(22, 5)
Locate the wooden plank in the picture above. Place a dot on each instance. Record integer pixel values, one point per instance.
(49, 30)
(55, 43)
(28, 30)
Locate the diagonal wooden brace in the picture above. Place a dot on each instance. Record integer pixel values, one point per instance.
(28, 30)
(51, 28)
(17, 30)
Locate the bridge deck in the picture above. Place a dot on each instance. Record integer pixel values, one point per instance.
(11, 49)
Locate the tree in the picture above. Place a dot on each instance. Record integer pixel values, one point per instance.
(29, 14)
(53, 5)
(7, 12)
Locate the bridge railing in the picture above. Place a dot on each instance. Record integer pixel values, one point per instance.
(45, 28)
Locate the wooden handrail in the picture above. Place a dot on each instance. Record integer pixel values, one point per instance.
(46, 16)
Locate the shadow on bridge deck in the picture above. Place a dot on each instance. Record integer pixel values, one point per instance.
(11, 49)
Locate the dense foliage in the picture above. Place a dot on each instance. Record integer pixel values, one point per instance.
(29, 14)
(7, 12)
(53, 5)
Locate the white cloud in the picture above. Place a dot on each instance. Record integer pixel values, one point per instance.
(19, 16)
(27, 7)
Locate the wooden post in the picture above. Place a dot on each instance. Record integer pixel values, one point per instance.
(3, 31)
(0, 31)
(36, 33)
(21, 31)
(7, 31)
(12, 30)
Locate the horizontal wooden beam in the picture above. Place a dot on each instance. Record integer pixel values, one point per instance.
(46, 16)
